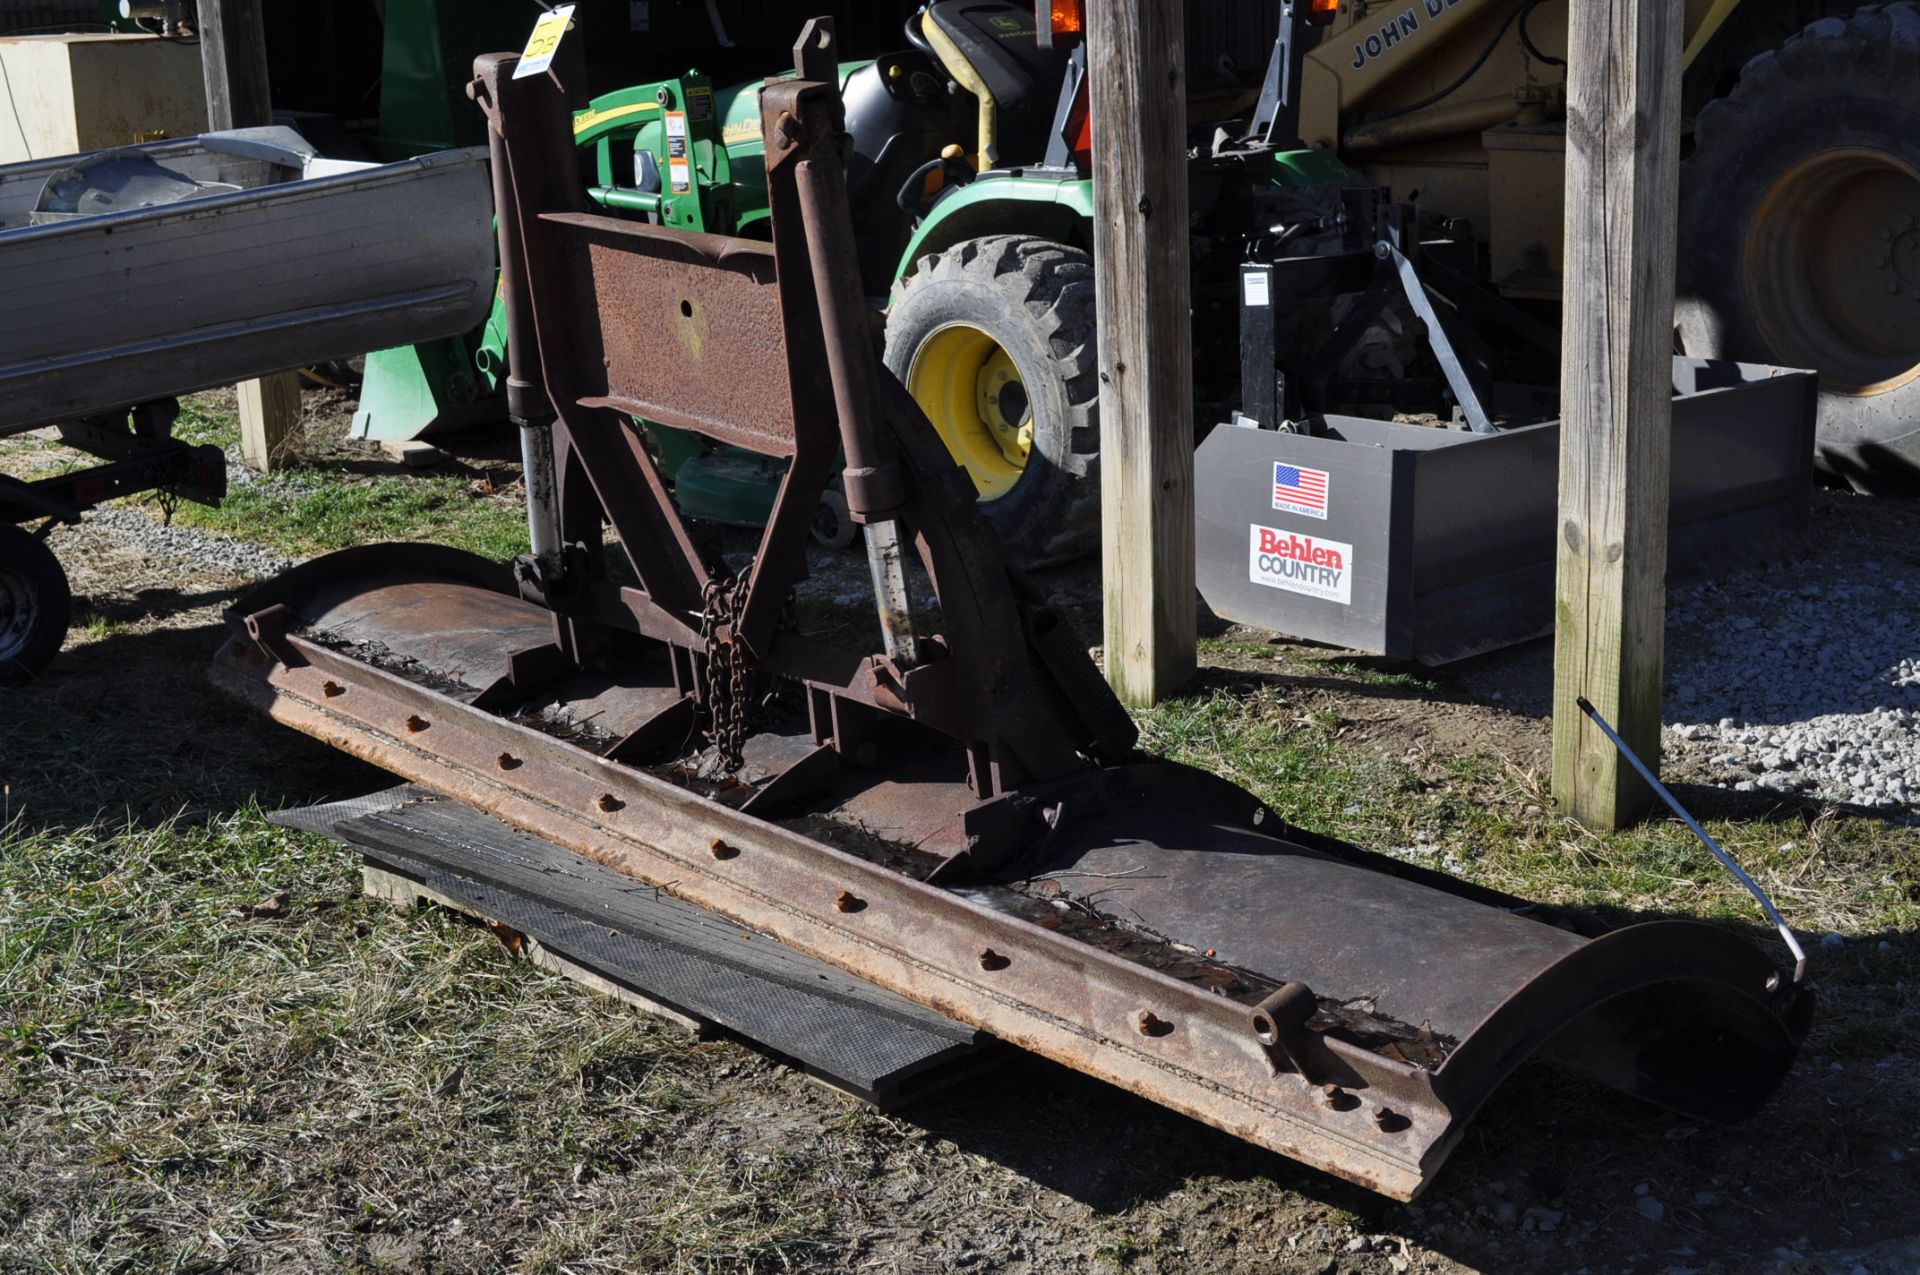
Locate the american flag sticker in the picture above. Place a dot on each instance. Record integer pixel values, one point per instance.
(1300, 491)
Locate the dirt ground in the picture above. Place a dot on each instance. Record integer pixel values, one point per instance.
(1033, 1168)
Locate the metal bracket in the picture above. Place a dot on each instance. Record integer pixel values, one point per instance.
(1439, 336)
(1280, 1025)
(268, 629)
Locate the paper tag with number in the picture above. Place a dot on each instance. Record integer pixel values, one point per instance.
(544, 42)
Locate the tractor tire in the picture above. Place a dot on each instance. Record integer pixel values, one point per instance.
(35, 606)
(1799, 238)
(994, 338)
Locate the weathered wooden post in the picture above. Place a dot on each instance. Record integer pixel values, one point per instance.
(233, 64)
(1137, 62)
(1623, 140)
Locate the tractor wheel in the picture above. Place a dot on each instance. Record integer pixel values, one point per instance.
(1800, 233)
(831, 525)
(994, 339)
(35, 605)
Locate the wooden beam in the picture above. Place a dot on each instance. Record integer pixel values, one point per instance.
(1138, 85)
(233, 64)
(1623, 150)
(269, 419)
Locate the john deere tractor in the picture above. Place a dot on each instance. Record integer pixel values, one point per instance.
(971, 178)
(970, 183)
(1799, 227)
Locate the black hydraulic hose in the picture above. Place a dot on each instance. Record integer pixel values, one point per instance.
(1533, 50)
(1525, 7)
(916, 35)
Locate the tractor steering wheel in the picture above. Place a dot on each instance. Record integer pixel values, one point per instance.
(915, 35)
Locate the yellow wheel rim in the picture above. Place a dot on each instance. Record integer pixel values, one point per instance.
(970, 389)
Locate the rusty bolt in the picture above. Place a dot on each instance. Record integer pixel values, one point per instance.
(610, 803)
(1336, 1098)
(789, 128)
(721, 850)
(1387, 1120)
(417, 723)
(332, 690)
(846, 902)
(507, 761)
(992, 960)
(1151, 1024)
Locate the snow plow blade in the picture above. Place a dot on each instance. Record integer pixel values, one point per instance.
(962, 818)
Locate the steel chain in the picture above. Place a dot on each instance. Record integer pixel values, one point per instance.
(724, 686)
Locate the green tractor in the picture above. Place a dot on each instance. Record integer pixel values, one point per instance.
(969, 175)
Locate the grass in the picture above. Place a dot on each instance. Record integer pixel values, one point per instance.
(1485, 821)
(312, 508)
(185, 1086)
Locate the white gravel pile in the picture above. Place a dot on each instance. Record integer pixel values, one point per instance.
(1794, 681)
(165, 543)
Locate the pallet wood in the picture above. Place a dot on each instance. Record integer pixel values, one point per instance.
(1623, 136)
(659, 953)
(1146, 348)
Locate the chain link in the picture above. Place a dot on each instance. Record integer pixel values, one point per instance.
(724, 686)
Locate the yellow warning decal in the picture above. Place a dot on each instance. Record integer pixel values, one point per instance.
(589, 118)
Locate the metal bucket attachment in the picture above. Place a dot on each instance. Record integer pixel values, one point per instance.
(1402, 553)
(962, 819)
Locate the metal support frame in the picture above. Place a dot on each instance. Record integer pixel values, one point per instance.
(1276, 118)
(1000, 760)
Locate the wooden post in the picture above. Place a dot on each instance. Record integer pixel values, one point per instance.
(1623, 139)
(1138, 82)
(233, 64)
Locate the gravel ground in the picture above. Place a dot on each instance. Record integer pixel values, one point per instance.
(1798, 679)
(165, 545)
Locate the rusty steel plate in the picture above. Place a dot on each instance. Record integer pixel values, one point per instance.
(686, 322)
(1678, 1012)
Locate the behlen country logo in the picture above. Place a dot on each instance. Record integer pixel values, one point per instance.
(1301, 564)
(1300, 491)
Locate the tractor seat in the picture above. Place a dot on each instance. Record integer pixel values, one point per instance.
(991, 50)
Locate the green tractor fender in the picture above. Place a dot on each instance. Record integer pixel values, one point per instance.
(1059, 206)
(1052, 206)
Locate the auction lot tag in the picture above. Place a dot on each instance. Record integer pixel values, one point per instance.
(544, 42)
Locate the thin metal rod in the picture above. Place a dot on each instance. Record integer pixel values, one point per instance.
(1673, 803)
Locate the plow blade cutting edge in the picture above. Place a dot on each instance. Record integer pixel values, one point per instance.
(963, 818)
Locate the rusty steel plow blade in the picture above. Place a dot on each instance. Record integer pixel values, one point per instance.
(1165, 931)
(963, 817)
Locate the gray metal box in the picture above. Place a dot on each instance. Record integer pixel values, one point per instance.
(1434, 544)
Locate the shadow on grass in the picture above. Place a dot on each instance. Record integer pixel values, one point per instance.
(129, 723)
(129, 727)
(1823, 1169)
